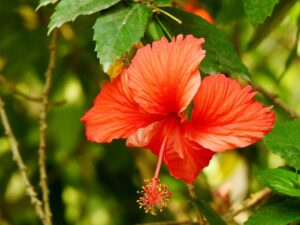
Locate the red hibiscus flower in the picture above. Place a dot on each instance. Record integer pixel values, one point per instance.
(146, 104)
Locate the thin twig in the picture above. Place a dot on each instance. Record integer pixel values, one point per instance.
(187, 222)
(163, 27)
(274, 99)
(12, 87)
(254, 199)
(43, 127)
(19, 161)
(193, 196)
(156, 9)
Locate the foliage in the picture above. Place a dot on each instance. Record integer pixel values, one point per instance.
(117, 30)
(96, 184)
(46, 2)
(283, 140)
(281, 181)
(220, 54)
(68, 10)
(276, 214)
(257, 11)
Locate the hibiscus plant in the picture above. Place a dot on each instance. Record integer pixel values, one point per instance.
(181, 84)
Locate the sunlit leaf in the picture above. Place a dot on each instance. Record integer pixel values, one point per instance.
(46, 2)
(117, 30)
(281, 213)
(220, 54)
(282, 181)
(284, 140)
(69, 10)
(258, 10)
(262, 31)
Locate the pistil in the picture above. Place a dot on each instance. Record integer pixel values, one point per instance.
(155, 195)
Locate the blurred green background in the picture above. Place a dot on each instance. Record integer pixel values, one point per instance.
(94, 184)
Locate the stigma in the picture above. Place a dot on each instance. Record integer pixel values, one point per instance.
(154, 196)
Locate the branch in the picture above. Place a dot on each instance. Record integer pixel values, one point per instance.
(19, 161)
(193, 196)
(254, 199)
(12, 87)
(43, 127)
(274, 99)
(187, 222)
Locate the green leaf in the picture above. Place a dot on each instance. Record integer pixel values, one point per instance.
(220, 54)
(46, 2)
(262, 31)
(258, 10)
(69, 10)
(281, 213)
(231, 11)
(154, 31)
(282, 181)
(284, 140)
(117, 30)
(210, 215)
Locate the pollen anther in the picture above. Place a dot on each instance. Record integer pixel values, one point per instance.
(154, 196)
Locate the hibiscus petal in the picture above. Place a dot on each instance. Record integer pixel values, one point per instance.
(143, 136)
(184, 158)
(115, 114)
(189, 167)
(164, 78)
(226, 116)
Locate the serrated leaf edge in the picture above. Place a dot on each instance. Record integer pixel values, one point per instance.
(50, 29)
(45, 4)
(106, 67)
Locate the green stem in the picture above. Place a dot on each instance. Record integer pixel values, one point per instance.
(167, 14)
(163, 27)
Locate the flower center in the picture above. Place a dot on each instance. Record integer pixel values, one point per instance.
(155, 195)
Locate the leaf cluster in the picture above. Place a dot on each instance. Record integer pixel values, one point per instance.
(282, 140)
